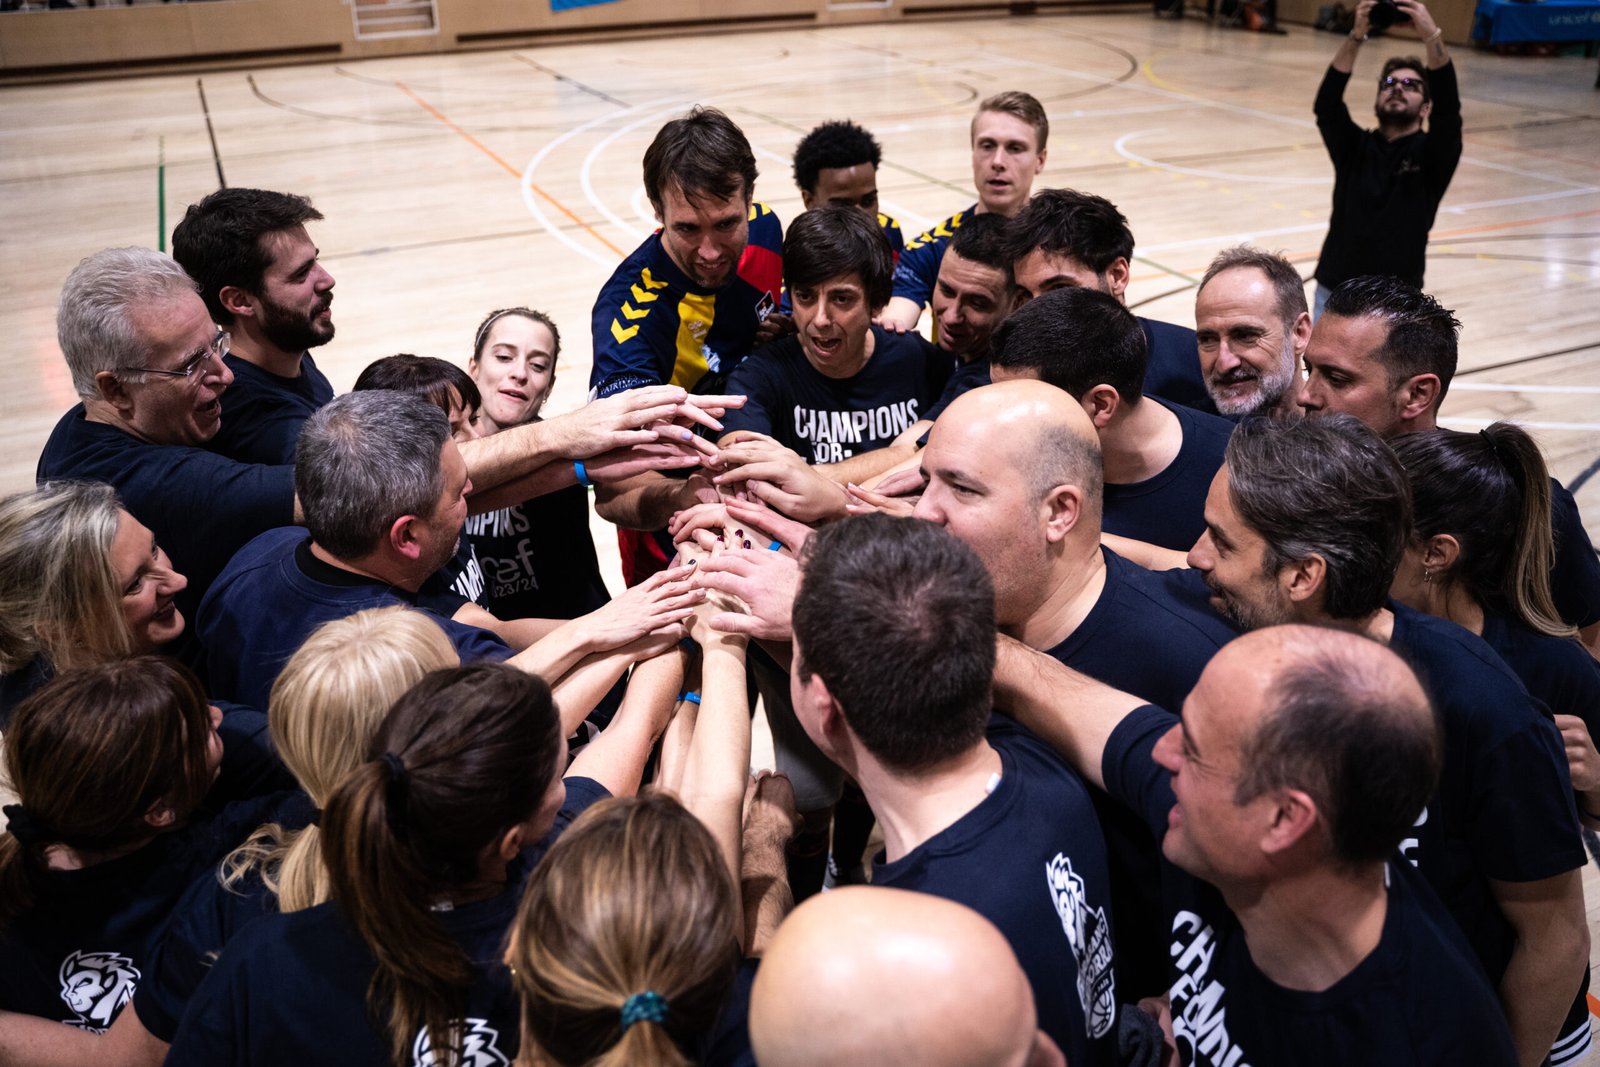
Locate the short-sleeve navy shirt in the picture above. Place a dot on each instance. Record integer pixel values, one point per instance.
(1030, 859)
(84, 947)
(1416, 1000)
(262, 412)
(1575, 575)
(292, 989)
(1172, 365)
(274, 593)
(827, 419)
(1168, 509)
(1504, 807)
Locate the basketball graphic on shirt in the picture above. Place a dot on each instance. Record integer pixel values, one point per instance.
(1090, 938)
(479, 1048)
(96, 985)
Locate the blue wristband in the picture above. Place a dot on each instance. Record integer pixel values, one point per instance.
(693, 698)
(583, 475)
(775, 546)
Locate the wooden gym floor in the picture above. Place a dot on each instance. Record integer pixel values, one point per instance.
(459, 183)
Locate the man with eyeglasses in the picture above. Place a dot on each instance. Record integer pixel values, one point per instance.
(1388, 182)
(146, 359)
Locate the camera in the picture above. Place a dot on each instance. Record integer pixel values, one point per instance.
(1386, 13)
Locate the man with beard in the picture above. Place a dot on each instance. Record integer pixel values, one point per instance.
(261, 281)
(1388, 182)
(1306, 523)
(686, 306)
(1252, 325)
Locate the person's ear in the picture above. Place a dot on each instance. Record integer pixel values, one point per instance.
(1301, 335)
(1101, 403)
(1440, 552)
(1418, 395)
(512, 842)
(161, 816)
(1427, 109)
(114, 391)
(1117, 276)
(1061, 509)
(1294, 815)
(403, 537)
(237, 301)
(1301, 580)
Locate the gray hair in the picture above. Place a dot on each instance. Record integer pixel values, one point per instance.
(1286, 281)
(94, 320)
(365, 460)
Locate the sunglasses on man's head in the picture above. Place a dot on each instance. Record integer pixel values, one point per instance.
(1410, 85)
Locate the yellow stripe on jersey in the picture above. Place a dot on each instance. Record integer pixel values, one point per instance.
(644, 298)
(694, 324)
(946, 228)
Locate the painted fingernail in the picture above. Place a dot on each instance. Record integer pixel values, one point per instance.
(747, 544)
(738, 533)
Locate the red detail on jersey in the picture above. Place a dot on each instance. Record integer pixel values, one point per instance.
(762, 268)
(641, 554)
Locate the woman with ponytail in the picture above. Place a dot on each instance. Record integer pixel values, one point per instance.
(630, 947)
(426, 846)
(110, 763)
(1480, 555)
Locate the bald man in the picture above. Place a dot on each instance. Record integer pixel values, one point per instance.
(1013, 469)
(1297, 933)
(912, 958)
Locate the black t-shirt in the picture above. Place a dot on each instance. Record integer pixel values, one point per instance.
(1385, 193)
(1559, 672)
(1142, 640)
(1169, 508)
(827, 419)
(1575, 574)
(262, 413)
(202, 507)
(275, 592)
(1504, 808)
(1417, 999)
(1172, 365)
(292, 989)
(1030, 859)
(538, 557)
(210, 914)
(77, 955)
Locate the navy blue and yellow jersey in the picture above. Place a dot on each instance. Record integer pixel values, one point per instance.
(652, 325)
(891, 230)
(917, 268)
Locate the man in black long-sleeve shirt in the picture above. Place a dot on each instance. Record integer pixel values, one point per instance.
(1388, 182)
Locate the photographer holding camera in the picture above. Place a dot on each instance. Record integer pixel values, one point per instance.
(1388, 182)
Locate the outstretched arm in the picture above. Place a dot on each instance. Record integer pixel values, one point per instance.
(1072, 712)
(616, 758)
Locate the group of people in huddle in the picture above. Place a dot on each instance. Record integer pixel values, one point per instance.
(1212, 704)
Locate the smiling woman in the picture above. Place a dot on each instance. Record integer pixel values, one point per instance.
(81, 582)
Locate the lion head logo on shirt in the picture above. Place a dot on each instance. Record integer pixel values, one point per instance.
(96, 985)
(479, 1048)
(1090, 937)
